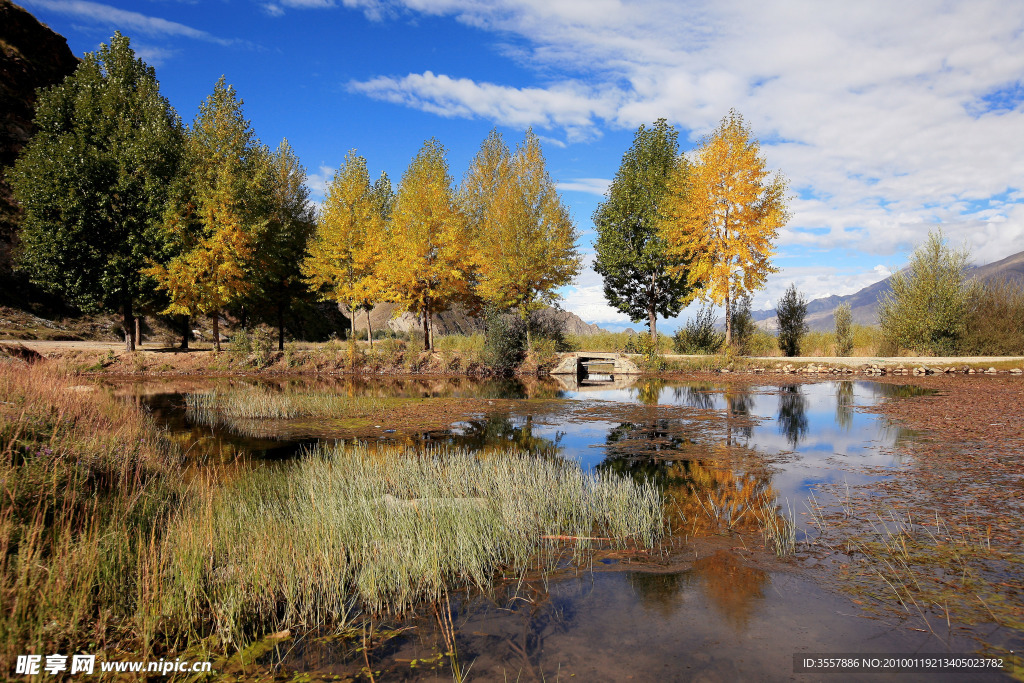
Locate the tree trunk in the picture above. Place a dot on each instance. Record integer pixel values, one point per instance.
(280, 326)
(369, 331)
(216, 331)
(728, 318)
(138, 330)
(352, 336)
(128, 324)
(186, 332)
(652, 311)
(426, 324)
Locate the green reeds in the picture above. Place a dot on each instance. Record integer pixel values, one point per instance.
(255, 403)
(384, 531)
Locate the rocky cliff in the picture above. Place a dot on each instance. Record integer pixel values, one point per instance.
(31, 56)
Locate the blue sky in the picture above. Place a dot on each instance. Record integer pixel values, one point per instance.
(889, 119)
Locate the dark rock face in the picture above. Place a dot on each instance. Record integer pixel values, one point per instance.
(31, 56)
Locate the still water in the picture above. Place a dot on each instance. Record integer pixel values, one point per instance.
(713, 610)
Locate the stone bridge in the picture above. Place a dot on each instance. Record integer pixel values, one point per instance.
(574, 363)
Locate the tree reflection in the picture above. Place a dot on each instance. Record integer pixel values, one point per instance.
(844, 405)
(648, 391)
(660, 591)
(731, 586)
(792, 414)
(648, 439)
(740, 403)
(696, 396)
(494, 433)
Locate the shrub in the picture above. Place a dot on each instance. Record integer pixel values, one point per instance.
(844, 329)
(761, 343)
(928, 306)
(995, 324)
(504, 341)
(791, 311)
(699, 336)
(255, 346)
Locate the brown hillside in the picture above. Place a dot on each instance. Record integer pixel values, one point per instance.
(31, 56)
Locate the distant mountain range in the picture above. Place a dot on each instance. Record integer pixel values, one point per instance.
(864, 304)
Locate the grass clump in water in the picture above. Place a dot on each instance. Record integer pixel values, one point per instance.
(384, 531)
(255, 403)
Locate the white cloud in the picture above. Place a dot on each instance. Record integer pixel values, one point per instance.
(126, 20)
(874, 110)
(273, 10)
(568, 106)
(317, 182)
(586, 299)
(598, 186)
(151, 54)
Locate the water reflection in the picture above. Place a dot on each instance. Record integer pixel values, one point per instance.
(788, 438)
(792, 414)
(734, 588)
(844, 405)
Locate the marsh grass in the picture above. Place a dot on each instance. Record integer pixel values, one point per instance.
(349, 529)
(255, 403)
(85, 484)
(930, 569)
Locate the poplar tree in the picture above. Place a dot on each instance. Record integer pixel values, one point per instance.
(524, 235)
(791, 312)
(221, 211)
(94, 181)
(349, 240)
(641, 278)
(723, 213)
(430, 264)
(282, 246)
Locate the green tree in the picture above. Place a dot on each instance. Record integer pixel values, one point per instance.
(641, 278)
(522, 231)
(743, 327)
(844, 329)
(929, 302)
(94, 183)
(791, 312)
(282, 245)
(722, 214)
(222, 209)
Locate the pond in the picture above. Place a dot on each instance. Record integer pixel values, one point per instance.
(711, 606)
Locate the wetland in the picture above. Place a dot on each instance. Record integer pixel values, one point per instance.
(798, 517)
(703, 527)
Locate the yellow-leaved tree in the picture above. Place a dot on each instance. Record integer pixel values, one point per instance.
(221, 207)
(722, 214)
(430, 264)
(349, 241)
(523, 234)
